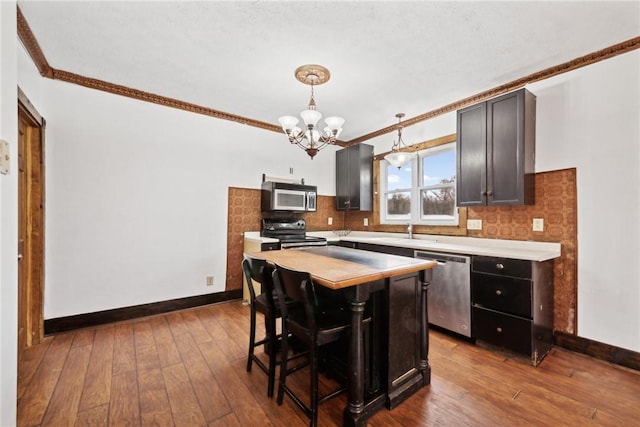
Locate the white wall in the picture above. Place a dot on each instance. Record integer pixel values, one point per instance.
(8, 217)
(590, 119)
(136, 195)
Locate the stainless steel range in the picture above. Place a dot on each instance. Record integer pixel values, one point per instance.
(291, 233)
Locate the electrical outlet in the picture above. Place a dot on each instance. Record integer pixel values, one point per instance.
(474, 224)
(209, 280)
(330, 221)
(538, 224)
(366, 222)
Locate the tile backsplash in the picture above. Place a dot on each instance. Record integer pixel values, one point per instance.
(555, 203)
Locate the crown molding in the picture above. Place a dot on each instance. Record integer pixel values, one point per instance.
(33, 48)
(157, 99)
(582, 61)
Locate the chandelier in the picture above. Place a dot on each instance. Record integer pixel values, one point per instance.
(312, 139)
(396, 157)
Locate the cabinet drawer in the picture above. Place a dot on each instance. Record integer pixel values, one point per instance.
(502, 266)
(506, 294)
(501, 329)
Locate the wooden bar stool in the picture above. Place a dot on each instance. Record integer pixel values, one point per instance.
(258, 270)
(314, 324)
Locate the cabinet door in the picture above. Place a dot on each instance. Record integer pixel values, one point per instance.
(505, 149)
(354, 178)
(403, 347)
(342, 179)
(471, 179)
(362, 174)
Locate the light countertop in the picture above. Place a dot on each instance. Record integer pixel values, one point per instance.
(516, 249)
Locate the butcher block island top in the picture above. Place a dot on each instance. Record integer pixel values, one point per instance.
(336, 267)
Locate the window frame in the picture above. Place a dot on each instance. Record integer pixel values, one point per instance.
(417, 186)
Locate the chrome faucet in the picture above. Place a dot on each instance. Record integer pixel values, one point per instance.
(410, 230)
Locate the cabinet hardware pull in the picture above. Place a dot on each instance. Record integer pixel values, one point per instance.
(484, 193)
(490, 193)
(498, 292)
(499, 266)
(499, 330)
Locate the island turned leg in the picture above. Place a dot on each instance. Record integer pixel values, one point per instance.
(425, 281)
(355, 405)
(357, 410)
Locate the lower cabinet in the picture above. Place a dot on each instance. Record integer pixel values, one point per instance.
(512, 304)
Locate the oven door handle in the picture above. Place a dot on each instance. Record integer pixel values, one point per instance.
(301, 244)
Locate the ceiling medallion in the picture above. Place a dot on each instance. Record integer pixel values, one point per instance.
(312, 74)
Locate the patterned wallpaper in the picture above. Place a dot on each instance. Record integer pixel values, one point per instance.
(555, 202)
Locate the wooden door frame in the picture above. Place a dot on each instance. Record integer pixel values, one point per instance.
(31, 290)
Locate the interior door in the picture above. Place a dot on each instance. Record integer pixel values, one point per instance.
(22, 232)
(30, 224)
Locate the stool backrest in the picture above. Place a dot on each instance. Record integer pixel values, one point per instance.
(259, 270)
(297, 286)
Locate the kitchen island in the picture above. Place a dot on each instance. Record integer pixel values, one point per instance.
(396, 289)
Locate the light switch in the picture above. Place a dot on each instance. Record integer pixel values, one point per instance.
(330, 221)
(366, 222)
(4, 157)
(538, 224)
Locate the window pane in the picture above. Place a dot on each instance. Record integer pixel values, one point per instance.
(398, 178)
(399, 203)
(438, 201)
(439, 168)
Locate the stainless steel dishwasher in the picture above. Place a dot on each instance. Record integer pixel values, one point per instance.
(449, 297)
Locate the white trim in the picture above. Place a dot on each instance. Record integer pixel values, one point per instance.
(415, 216)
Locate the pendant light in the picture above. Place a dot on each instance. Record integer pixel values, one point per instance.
(396, 157)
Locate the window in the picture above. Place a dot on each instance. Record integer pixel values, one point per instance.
(423, 191)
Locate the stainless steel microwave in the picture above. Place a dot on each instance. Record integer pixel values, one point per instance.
(283, 196)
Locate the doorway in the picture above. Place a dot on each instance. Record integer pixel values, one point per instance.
(30, 224)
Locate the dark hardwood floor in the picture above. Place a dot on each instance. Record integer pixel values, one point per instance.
(187, 368)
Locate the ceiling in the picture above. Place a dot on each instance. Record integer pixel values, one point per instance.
(384, 57)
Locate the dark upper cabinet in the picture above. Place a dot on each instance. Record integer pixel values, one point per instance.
(354, 178)
(496, 151)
